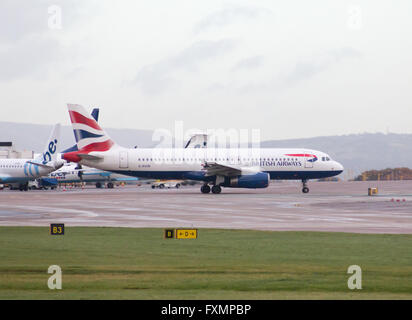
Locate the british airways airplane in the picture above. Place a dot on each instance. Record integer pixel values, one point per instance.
(218, 167)
(20, 171)
(70, 173)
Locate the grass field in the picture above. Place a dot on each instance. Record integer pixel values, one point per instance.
(122, 263)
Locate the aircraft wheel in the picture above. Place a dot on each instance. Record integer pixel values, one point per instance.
(98, 185)
(110, 185)
(305, 190)
(216, 189)
(161, 186)
(205, 188)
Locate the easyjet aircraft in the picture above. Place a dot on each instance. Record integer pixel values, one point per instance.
(218, 167)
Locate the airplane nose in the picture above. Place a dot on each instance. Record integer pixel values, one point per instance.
(337, 166)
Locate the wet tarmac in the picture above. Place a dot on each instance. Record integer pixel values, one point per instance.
(330, 206)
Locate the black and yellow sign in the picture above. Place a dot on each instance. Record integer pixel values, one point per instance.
(186, 233)
(169, 233)
(57, 229)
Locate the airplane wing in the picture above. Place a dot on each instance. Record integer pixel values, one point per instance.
(5, 178)
(213, 169)
(40, 164)
(97, 173)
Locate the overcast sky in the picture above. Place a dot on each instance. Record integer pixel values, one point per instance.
(292, 69)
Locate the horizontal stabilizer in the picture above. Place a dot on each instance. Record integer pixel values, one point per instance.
(40, 165)
(89, 157)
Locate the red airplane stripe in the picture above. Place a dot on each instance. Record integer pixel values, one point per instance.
(79, 118)
(301, 155)
(98, 146)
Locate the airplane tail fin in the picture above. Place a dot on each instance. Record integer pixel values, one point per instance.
(95, 115)
(51, 150)
(89, 136)
(198, 140)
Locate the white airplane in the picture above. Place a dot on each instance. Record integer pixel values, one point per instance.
(18, 172)
(236, 168)
(73, 173)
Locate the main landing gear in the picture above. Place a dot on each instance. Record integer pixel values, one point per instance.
(205, 188)
(305, 188)
(109, 185)
(24, 187)
(215, 189)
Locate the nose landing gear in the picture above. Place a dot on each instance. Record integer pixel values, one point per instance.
(305, 188)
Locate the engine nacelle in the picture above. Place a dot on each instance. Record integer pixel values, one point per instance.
(251, 181)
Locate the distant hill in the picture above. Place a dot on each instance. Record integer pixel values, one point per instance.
(385, 174)
(357, 152)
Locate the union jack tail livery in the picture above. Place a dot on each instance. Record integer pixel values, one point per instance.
(89, 135)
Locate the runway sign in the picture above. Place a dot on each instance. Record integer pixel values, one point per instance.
(57, 229)
(169, 233)
(186, 233)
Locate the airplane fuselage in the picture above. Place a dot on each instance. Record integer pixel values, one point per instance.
(295, 164)
(71, 174)
(20, 171)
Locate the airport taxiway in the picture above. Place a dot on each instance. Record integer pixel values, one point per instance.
(330, 206)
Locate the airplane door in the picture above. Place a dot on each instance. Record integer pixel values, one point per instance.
(123, 160)
(308, 164)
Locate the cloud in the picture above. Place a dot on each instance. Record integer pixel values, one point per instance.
(249, 63)
(28, 57)
(302, 70)
(22, 18)
(311, 66)
(156, 78)
(229, 15)
(28, 47)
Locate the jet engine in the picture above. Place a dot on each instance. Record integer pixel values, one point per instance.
(251, 181)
